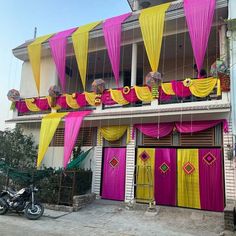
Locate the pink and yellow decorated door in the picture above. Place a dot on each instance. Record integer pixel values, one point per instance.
(113, 179)
(145, 174)
(165, 176)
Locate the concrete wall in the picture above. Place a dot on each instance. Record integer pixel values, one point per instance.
(48, 77)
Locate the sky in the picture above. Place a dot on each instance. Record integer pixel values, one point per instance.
(20, 17)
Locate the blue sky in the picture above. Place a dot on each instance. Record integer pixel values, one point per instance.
(18, 19)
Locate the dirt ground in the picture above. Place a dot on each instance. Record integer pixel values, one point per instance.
(109, 218)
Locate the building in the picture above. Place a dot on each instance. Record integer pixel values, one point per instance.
(174, 149)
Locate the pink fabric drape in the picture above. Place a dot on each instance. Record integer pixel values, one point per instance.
(199, 15)
(179, 89)
(81, 100)
(164, 97)
(112, 35)
(130, 97)
(61, 101)
(73, 123)
(58, 50)
(155, 130)
(113, 181)
(106, 98)
(21, 107)
(165, 182)
(164, 129)
(211, 179)
(42, 104)
(197, 126)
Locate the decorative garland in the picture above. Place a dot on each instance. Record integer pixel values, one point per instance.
(126, 95)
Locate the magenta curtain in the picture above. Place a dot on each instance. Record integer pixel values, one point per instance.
(197, 126)
(113, 181)
(179, 89)
(81, 100)
(58, 50)
(112, 35)
(42, 104)
(106, 98)
(61, 101)
(155, 130)
(21, 107)
(165, 178)
(211, 179)
(199, 15)
(163, 96)
(131, 97)
(73, 123)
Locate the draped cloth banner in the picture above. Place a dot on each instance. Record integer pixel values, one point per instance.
(58, 50)
(34, 51)
(163, 129)
(165, 176)
(30, 103)
(42, 104)
(143, 93)
(114, 133)
(48, 128)
(211, 179)
(145, 174)
(112, 35)
(117, 96)
(188, 178)
(199, 15)
(151, 21)
(180, 90)
(80, 39)
(73, 123)
(113, 180)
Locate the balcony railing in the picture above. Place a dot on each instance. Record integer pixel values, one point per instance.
(187, 91)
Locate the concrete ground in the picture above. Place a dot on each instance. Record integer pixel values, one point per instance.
(110, 218)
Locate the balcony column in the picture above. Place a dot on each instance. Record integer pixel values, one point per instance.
(134, 64)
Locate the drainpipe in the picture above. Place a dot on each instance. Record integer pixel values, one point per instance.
(134, 64)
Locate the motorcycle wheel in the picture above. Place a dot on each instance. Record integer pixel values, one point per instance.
(3, 208)
(36, 213)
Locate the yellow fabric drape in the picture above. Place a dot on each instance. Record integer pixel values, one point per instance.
(188, 184)
(143, 93)
(167, 88)
(29, 102)
(151, 21)
(57, 107)
(202, 87)
(71, 102)
(114, 133)
(117, 96)
(218, 87)
(80, 39)
(34, 51)
(48, 128)
(90, 98)
(145, 175)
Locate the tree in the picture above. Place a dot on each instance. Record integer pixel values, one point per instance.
(17, 149)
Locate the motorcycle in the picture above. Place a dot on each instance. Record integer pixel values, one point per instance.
(22, 201)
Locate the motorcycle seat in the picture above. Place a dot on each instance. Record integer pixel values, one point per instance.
(11, 191)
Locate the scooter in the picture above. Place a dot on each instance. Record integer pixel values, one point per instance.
(22, 201)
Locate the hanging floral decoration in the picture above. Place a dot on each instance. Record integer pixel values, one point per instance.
(54, 91)
(126, 90)
(13, 95)
(153, 80)
(187, 82)
(98, 87)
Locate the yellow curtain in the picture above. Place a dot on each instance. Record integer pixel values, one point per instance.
(202, 87)
(151, 21)
(218, 87)
(114, 133)
(188, 184)
(145, 174)
(167, 88)
(71, 102)
(143, 93)
(117, 96)
(31, 105)
(48, 128)
(80, 39)
(34, 51)
(90, 98)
